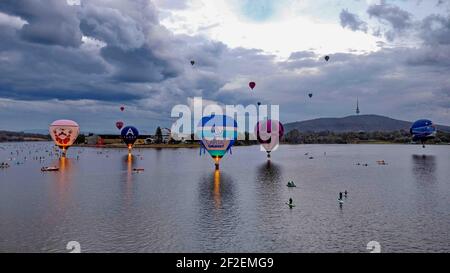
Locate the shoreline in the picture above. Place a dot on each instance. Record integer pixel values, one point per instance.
(138, 146)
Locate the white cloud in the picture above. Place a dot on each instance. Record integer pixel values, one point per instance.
(287, 33)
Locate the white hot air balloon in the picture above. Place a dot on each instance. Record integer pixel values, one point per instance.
(64, 133)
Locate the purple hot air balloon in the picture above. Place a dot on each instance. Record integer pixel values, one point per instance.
(269, 133)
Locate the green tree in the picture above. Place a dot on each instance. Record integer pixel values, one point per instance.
(158, 135)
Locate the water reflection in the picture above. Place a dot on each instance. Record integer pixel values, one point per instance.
(268, 190)
(218, 188)
(269, 172)
(63, 181)
(424, 168)
(128, 164)
(219, 210)
(216, 191)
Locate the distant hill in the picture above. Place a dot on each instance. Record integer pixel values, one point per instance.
(21, 136)
(366, 123)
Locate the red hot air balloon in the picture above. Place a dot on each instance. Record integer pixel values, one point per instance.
(252, 85)
(119, 124)
(122, 108)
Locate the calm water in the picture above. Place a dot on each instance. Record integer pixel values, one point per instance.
(179, 204)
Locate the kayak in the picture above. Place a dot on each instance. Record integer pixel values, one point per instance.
(49, 169)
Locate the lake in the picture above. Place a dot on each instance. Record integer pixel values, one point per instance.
(180, 204)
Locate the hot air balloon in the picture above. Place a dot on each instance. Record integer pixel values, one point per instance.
(64, 133)
(119, 124)
(423, 130)
(327, 58)
(192, 62)
(259, 103)
(129, 135)
(252, 85)
(122, 108)
(310, 95)
(269, 133)
(217, 134)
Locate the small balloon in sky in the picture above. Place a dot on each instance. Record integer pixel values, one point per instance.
(122, 108)
(252, 85)
(327, 58)
(119, 124)
(192, 62)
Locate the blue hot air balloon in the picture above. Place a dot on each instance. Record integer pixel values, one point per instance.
(423, 130)
(217, 134)
(129, 135)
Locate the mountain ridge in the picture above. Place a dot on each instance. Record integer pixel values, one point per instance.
(354, 123)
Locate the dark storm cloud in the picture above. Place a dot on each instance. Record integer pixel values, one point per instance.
(127, 45)
(51, 22)
(352, 21)
(397, 19)
(435, 29)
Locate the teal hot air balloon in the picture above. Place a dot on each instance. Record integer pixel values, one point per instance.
(217, 133)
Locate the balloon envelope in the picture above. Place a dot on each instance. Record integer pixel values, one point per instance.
(217, 134)
(119, 124)
(252, 85)
(423, 129)
(192, 62)
(310, 95)
(269, 133)
(327, 58)
(64, 132)
(129, 135)
(122, 108)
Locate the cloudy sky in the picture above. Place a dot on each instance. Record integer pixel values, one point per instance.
(82, 60)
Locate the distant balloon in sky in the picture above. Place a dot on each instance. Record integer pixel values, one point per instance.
(119, 124)
(269, 133)
(122, 108)
(310, 95)
(252, 85)
(259, 103)
(217, 134)
(192, 62)
(64, 133)
(129, 135)
(423, 130)
(327, 58)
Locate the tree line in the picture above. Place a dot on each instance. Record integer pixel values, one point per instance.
(328, 137)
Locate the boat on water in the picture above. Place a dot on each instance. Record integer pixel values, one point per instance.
(381, 162)
(49, 169)
(291, 184)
